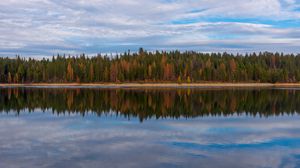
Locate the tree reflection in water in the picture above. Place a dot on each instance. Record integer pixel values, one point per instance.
(153, 103)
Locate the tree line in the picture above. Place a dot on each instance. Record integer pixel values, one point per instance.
(159, 66)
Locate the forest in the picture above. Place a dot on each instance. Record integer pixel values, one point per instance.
(159, 66)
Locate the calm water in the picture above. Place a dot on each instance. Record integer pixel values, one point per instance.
(149, 128)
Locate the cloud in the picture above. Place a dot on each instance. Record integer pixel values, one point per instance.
(45, 27)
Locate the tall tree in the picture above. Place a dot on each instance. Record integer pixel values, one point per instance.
(70, 72)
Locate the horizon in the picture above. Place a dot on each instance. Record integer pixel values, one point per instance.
(38, 29)
(120, 54)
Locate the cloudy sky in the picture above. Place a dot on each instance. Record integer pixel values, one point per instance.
(47, 27)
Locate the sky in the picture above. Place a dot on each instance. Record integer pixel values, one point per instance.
(39, 28)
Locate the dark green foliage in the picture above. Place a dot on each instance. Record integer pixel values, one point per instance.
(154, 67)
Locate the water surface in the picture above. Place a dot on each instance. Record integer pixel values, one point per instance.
(149, 128)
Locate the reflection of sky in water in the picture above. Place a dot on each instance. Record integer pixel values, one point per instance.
(45, 140)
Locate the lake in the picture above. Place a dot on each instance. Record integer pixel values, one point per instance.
(94, 127)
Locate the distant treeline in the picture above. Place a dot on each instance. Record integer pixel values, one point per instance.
(157, 66)
(156, 103)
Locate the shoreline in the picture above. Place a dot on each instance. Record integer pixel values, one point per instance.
(154, 85)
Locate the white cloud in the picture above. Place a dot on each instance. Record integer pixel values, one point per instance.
(104, 25)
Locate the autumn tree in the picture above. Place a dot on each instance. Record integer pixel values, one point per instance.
(113, 73)
(9, 78)
(70, 72)
(233, 67)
